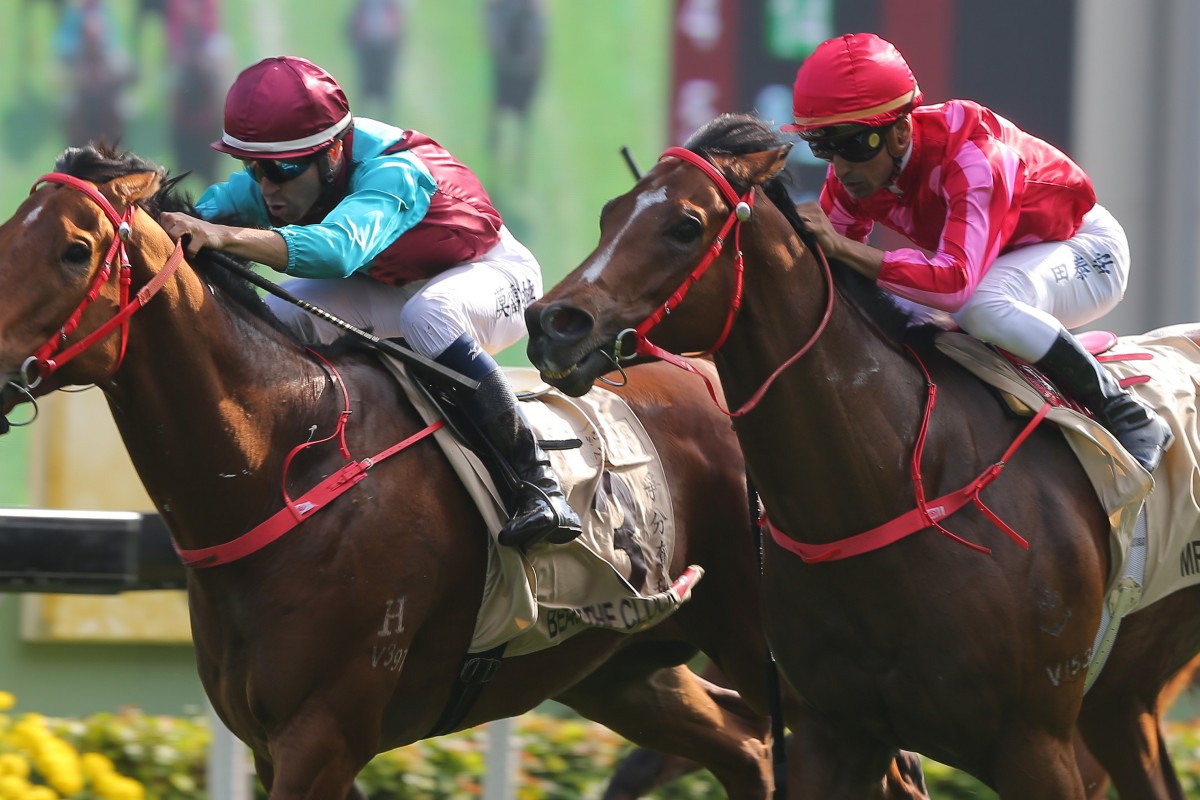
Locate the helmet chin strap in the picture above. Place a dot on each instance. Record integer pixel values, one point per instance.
(898, 164)
(331, 161)
(332, 166)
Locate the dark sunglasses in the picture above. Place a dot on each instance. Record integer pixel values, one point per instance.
(856, 147)
(277, 171)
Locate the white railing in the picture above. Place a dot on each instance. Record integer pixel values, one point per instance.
(231, 775)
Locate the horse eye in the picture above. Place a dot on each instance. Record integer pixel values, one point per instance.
(77, 253)
(687, 230)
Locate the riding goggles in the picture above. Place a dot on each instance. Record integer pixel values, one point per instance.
(277, 171)
(862, 145)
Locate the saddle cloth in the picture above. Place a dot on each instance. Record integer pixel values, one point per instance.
(615, 574)
(1161, 368)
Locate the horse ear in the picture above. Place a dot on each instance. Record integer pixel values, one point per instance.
(768, 163)
(756, 169)
(129, 189)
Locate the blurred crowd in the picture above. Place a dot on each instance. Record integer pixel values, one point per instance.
(100, 68)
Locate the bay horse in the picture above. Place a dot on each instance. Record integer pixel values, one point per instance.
(974, 659)
(343, 638)
(642, 770)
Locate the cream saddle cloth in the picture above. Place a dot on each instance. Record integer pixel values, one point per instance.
(615, 574)
(1164, 365)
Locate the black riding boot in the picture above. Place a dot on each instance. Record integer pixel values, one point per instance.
(1139, 430)
(541, 509)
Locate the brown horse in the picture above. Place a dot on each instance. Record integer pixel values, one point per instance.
(644, 770)
(976, 660)
(343, 638)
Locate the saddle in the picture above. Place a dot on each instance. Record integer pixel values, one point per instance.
(615, 575)
(1155, 523)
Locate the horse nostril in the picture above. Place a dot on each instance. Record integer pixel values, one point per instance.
(565, 323)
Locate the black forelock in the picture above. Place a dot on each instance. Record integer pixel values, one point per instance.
(736, 135)
(102, 162)
(742, 134)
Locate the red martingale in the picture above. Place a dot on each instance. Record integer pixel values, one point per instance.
(296, 511)
(928, 513)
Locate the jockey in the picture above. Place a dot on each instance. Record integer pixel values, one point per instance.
(384, 228)
(1012, 241)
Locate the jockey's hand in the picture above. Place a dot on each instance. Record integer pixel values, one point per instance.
(818, 224)
(858, 256)
(200, 233)
(267, 247)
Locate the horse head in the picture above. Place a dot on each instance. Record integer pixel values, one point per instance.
(669, 258)
(65, 271)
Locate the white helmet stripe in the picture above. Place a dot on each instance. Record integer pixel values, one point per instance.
(295, 144)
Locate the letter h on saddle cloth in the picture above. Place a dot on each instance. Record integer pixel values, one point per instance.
(615, 480)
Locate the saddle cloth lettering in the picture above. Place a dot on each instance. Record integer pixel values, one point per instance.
(1172, 505)
(615, 574)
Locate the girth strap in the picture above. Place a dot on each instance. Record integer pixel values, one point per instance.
(477, 670)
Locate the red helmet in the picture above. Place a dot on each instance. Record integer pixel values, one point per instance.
(283, 107)
(855, 79)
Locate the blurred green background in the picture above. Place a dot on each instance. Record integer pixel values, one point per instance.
(603, 85)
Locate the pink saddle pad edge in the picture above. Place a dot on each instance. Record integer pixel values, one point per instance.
(1097, 342)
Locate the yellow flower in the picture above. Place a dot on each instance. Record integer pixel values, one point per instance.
(121, 788)
(7, 700)
(66, 781)
(95, 764)
(13, 764)
(12, 787)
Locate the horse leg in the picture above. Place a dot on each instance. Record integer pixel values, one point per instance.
(824, 766)
(1095, 778)
(643, 771)
(675, 711)
(905, 778)
(1034, 764)
(1127, 740)
(311, 762)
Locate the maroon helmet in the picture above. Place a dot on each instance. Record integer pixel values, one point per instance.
(283, 107)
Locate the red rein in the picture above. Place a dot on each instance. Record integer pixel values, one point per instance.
(293, 512)
(928, 513)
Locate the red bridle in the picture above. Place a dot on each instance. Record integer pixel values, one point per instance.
(742, 208)
(43, 363)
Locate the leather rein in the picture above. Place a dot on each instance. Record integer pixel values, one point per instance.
(47, 359)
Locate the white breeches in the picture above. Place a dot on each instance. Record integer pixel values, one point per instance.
(486, 299)
(1032, 294)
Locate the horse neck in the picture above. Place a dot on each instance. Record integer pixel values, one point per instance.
(209, 400)
(849, 406)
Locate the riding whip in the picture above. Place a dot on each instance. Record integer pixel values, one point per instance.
(455, 379)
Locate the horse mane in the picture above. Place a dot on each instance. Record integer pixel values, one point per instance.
(743, 134)
(102, 162)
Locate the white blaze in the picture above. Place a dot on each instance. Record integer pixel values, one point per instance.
(644, 203)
